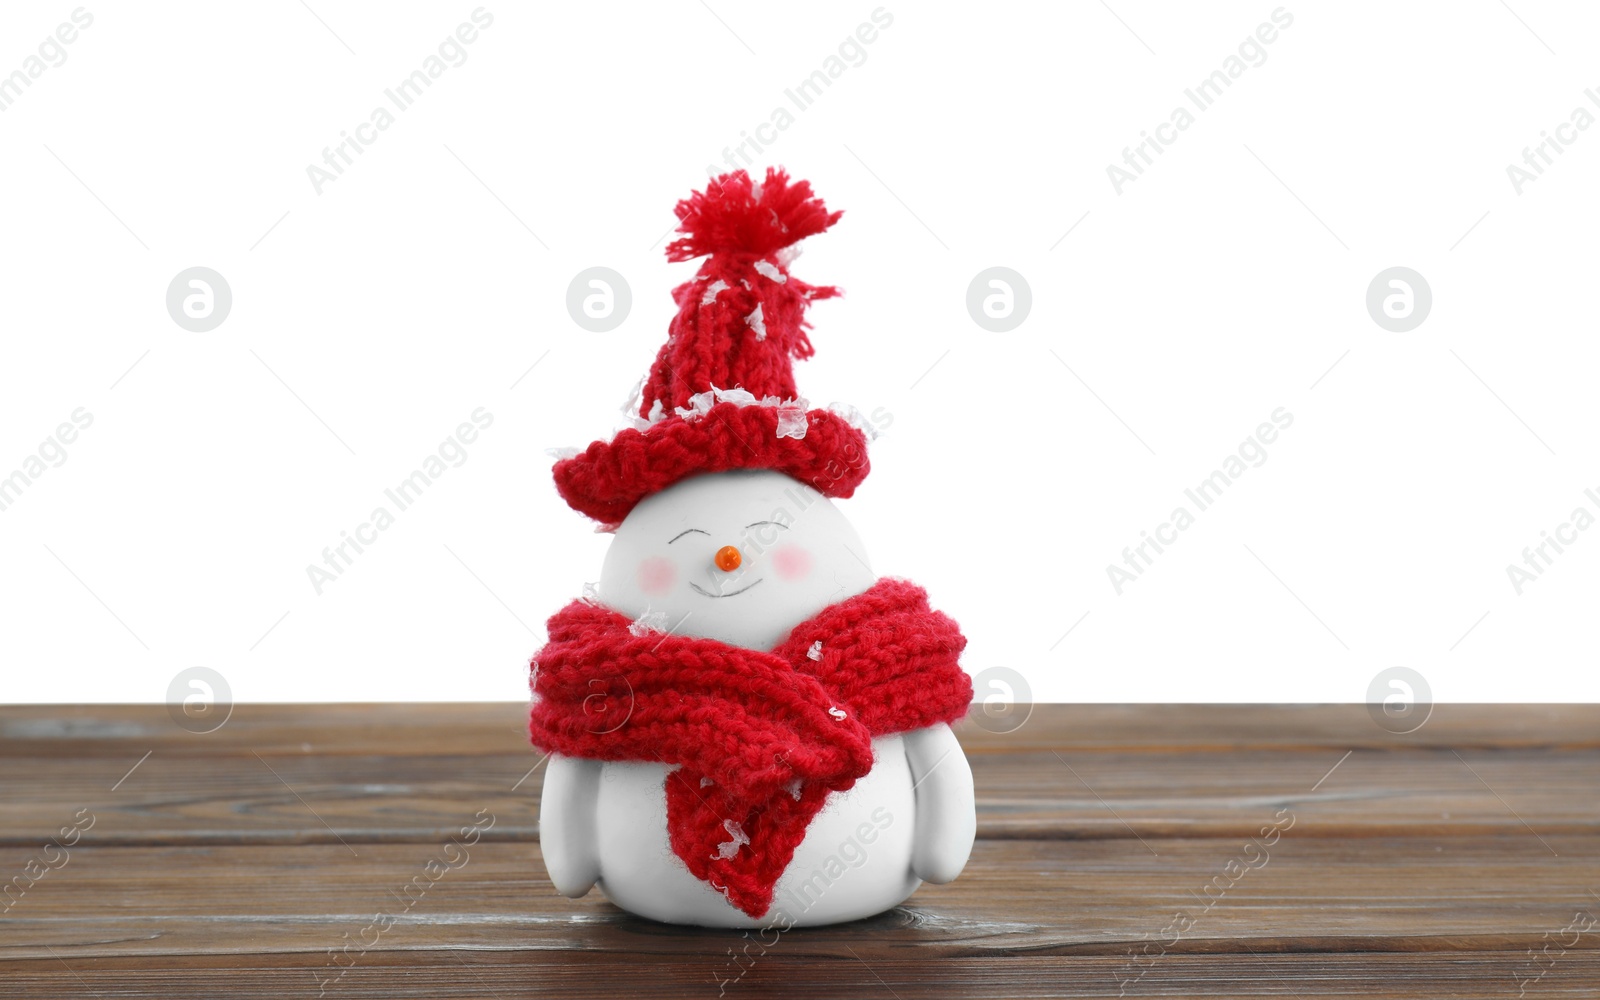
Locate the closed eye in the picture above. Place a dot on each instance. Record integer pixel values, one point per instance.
(690, 531)
(774, 523)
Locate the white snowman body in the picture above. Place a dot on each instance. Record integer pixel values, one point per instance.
(910, 819)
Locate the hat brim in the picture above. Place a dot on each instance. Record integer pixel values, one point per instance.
(608, 478)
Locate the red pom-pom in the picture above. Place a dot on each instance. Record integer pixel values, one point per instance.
(734, 215)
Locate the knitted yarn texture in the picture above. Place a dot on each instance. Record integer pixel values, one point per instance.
(756, 740)
(721, 392)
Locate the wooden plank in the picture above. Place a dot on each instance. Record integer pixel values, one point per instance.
(1424, 864)
(1422, 792)
(447, 728)
(400, 729)
(1039, 897)
(307, 798)
(1132, 728)
(1073, 793)
(582, 976)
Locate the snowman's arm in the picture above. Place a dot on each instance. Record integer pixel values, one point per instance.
(947, 815)
(567, 835)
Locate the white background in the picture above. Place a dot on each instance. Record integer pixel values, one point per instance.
(380, 313)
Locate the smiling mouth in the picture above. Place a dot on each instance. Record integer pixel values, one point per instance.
(706, 593)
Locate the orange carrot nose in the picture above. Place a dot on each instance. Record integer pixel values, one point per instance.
(727, 559)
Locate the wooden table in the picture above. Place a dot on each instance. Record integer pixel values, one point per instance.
(1121, 851)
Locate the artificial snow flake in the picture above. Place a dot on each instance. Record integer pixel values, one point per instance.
(757, 323)
(791, 421)
(632, 405)
(712, 290)
(706, 782)
(815, 652)
(699, 405)
(729, 848)
(650, 621)
(638, 423)
(561, 454)
(769, 271)
(794, 789)
(838, 713)
(591, 592)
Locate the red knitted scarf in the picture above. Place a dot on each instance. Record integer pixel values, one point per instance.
(760, 738)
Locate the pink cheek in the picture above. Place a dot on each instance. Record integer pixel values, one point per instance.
(656, 575)
(792, 562)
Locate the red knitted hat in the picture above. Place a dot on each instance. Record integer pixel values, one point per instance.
(721, 394)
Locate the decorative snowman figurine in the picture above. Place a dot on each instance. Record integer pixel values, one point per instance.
(746, 727)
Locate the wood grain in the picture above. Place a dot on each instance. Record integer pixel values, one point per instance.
(1041, 896)
(400, 729)
(582, 976)
(230, 864)
(1070, 793)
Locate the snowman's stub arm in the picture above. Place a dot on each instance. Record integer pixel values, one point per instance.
(947, 815)
(567, 835)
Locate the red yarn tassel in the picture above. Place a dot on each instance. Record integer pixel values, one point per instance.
(732, 216)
